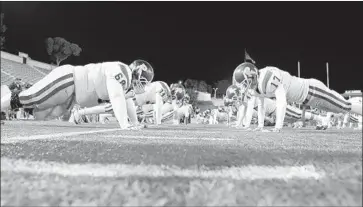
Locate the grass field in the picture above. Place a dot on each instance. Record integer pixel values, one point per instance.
(60, 164)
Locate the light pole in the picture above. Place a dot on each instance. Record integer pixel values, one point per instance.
(215, 92)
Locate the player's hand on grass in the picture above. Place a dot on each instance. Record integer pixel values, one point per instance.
(276, 130)
(245, 128)
(258, 129)
(130, 127)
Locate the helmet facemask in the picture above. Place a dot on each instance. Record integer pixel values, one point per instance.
(139, 82)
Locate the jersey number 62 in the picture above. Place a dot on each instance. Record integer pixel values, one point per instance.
(121, 79)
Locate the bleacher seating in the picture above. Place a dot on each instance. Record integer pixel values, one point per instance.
(45, 71)
(6, 79)
(11, 70)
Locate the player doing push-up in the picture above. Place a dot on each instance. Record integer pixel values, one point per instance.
(271, 82)
(57, 92)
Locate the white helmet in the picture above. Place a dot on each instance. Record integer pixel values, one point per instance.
(245, 76)
(142, 74)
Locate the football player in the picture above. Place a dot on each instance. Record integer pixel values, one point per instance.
(57, 92)
(271, 82)
(293, 113)
(179, 97)
(172, 103)
(185, 111)
(146, 113)
(147, 93)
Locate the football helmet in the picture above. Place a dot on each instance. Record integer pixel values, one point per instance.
(186, 98)
(227, 101)
(177, 91)
(142, 74)
(245, 76)
(233, 93)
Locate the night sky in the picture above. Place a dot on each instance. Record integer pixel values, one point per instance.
(199, 40)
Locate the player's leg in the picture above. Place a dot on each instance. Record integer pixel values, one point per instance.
(176, 118)
(77, 113)
(56, 88)
(320, 96)
(167, 111)
(5, 98)
(293, 112)
(359, 123)
(346, 120)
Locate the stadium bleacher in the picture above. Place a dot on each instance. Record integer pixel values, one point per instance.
(42, 70)
(6, 78)
(11, 70)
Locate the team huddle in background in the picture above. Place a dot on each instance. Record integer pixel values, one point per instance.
(266, 96)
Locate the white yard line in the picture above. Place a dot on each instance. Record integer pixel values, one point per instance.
(250, 172)
(50, 136)
(168, 138)
(65, 136)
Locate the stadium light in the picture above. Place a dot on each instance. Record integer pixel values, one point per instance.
(215, 92)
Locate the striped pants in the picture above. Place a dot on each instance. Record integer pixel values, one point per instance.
(321, 97)
(52, 96)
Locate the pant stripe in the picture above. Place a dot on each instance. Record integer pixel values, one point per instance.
(353, 119)
(108, 108)
(334, 97)
(327, 97)
(167, 116)
(330, 101)
(71, 102)
(55, 91)
(293, 113)
(46, 88)
(149, 114)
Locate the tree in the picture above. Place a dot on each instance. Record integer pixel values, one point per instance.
(222, 86)
(210, 89)
(2, 30)
(202, 86)
(191, 83)
(60, 49)
(193, 95)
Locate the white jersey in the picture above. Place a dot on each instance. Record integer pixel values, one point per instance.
(271, 77)
(149, 96)
(91, 81)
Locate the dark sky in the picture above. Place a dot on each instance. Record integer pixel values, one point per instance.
(199, 40)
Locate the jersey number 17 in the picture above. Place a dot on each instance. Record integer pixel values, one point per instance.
(275, 81)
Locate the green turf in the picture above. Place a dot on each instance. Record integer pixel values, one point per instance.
(337, 153)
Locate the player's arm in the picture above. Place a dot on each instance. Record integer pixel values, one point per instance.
(261, 111)
(281, 104)
(117, 99)
(158, 107)
(131, 111)
(241, 113)
(249, 112)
